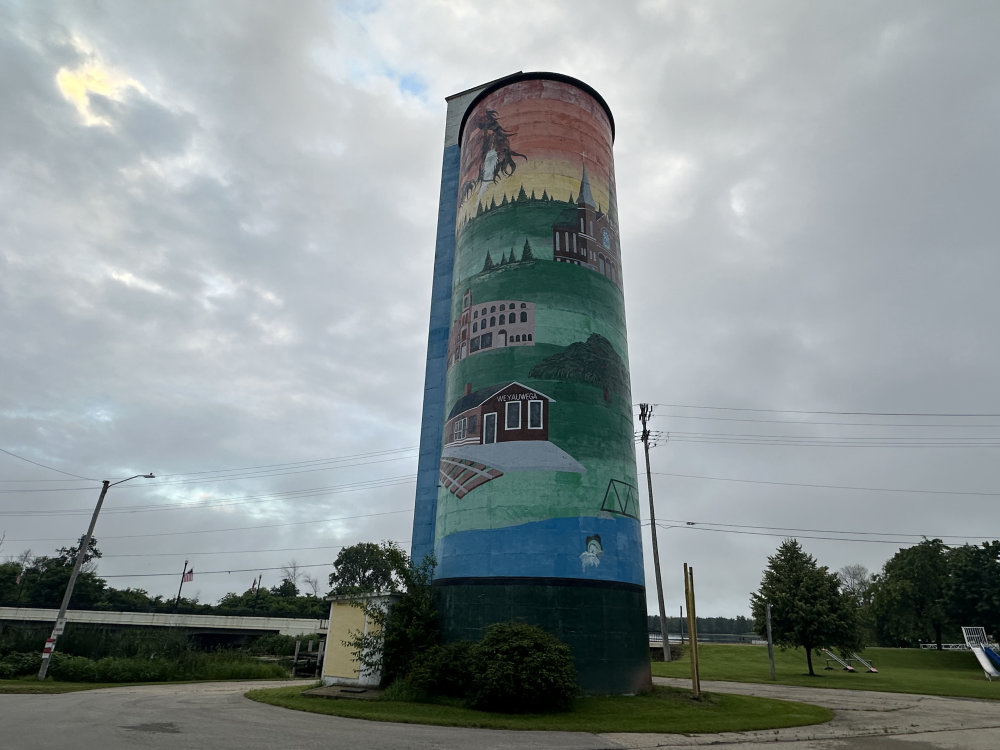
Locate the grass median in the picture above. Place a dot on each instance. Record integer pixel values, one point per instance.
(665, 710)
(900, 670)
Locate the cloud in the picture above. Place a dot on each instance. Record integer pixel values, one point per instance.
(218, 243)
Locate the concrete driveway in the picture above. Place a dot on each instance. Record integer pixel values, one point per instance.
(863, 719)
(216, 716)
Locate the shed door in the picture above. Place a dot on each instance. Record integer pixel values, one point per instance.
(490, 428)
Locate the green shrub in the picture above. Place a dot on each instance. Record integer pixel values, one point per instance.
(442, 670)
(274, 644)
(521, 668)
(19, 664)
(72, 668)
(119, 669)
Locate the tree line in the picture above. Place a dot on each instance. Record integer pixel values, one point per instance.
(923, 594)
(28, 580)
(738, 625)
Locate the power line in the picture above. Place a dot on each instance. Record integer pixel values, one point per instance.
(235, 528)
(833, 424)
(50, 468)
(245, 500)
(696, 524)
(832, 486)
(839, 413)
(724, 438)
(222, 552)
(800, 536)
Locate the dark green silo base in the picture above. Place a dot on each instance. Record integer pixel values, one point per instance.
(604, 623)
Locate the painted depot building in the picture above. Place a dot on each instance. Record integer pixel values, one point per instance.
(490, 325)
(498, 414)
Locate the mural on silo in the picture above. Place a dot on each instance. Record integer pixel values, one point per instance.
(537, 473)
(535, 510)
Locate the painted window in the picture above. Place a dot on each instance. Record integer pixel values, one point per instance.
(475, 327)
(524, 317)
(474, 344)
(475, 313)
(524, 305)
(534, 415)
(529, 337)
(460, 427)
(513, 415)
(486, 340)
(490, 427)
(473, 423)
(493, 320)
(503, 307)
(493, 308)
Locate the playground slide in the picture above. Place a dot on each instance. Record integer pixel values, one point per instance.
(865, 663)
(993, 656)
(985, 662)
(830, 655)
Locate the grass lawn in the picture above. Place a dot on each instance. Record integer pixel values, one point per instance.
(665, 710)
(900, 670)
(30, 685)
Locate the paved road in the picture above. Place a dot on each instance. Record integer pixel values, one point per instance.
(216, 716)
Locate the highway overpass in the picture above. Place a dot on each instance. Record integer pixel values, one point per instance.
(194, 624)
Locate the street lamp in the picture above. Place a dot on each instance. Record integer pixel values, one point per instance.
(50, 644)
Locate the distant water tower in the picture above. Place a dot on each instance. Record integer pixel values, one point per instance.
(526, 492)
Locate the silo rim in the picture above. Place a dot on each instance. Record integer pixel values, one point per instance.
(533, 76)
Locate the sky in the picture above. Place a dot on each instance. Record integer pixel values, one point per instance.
(217, 248)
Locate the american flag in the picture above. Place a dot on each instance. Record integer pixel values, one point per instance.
(188, 576)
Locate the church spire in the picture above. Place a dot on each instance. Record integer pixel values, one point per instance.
(586, 197)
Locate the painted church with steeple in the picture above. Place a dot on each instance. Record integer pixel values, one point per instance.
(587, 236)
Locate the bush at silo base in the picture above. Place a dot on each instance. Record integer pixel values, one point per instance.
(520, 668)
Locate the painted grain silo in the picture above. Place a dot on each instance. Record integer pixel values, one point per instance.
(526, 491)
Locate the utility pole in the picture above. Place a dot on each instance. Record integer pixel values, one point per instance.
(177, 601)
(770, 641)
(646, 413)
(50, 643)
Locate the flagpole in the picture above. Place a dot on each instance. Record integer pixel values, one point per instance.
(183, 573)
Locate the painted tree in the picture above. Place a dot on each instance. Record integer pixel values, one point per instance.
(909, 598)
(526, 253)
(807, 607)
(488, 265)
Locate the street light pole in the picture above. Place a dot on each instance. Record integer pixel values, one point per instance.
(645, 412)
(50, 644)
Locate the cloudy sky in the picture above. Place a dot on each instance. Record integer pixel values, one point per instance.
(218, 233)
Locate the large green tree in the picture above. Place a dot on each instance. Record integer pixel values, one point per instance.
(973, 590)
(402, 631)
(369, 568)
(910, 596)
(807, 607)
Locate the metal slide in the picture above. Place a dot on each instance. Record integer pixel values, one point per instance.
(830, 655)
(989, 660)
(865, 663)
(985, 663)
